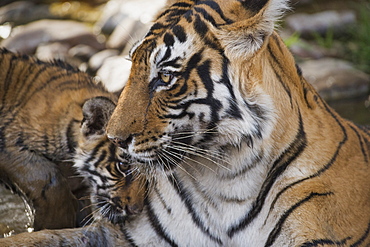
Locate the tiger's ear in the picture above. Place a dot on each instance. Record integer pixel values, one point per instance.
(254, 23)
(96, 113)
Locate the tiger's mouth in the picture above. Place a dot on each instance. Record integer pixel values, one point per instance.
(164, 159)
(115, 211)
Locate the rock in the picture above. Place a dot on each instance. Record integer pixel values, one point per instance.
(54, 50)
(114, 73)
(108, 23)
(125, 32)
(320, 23)
(336, 79)
(57, 50)
(5, 31)
(82, 52)
(27, 38)
(22, 12)
(116, 11)
(97, 60)
(76, 10)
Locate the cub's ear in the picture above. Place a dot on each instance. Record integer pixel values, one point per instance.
(253, 22)
(96, 113)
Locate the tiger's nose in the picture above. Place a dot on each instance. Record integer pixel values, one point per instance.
(120, 142)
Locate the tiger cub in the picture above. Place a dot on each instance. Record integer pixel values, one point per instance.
(116, 189)
(41, 114)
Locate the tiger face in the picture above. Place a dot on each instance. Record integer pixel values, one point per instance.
(183, 97)
(252, 156)
(117, 190)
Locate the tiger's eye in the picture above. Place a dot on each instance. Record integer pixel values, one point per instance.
(166, 77)
(123, 168)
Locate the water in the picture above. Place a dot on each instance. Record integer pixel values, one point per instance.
(357, 110)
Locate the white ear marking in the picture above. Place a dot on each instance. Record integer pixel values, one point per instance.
(246, 36)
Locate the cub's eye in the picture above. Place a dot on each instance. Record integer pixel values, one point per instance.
(123, 168)
(166, 77)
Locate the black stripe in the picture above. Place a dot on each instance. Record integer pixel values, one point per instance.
(166, 55)
(19, 142)
(38, 89)
(26, 95)
(172, 63)
(6, 81)
(161, 199)
(95, 151)
(365, 128)
(254, 5)
(101, 158)
(156, 224)
(362, 144)
(92, 173)
(193, 63)
(306, 90)
(299, 70)
(204, 73)
(181, 92)
(175, 16)
(363, 237)
(200, 26)
(71, 142)
(128, 237)
(186, 198)
(112, 152)
(180, 33)
(277, 229)
(321, 242)
(258, 111)
(295, 148)
(2, 139)
(285, 86)
(168, 39)
(175, 7)
(155, 27)
(323, 169)
(46, 143)
(205, 15)
(105, 186)
(216, 7)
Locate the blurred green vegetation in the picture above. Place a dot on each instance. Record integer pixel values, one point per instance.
(357, 46)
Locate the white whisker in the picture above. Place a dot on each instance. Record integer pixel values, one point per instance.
(202, 156)
(197, 151)
(177, 164)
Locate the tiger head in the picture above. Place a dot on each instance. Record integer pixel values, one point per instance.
(117, 190)
(196, 90)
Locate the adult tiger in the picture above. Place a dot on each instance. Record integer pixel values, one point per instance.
(241, 149)
(45, 116)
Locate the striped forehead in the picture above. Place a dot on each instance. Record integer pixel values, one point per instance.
(171, 51)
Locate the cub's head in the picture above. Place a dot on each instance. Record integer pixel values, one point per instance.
(187, 96)
(117, 190)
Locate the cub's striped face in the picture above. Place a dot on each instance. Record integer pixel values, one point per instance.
(117, 190)
(182, 98)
